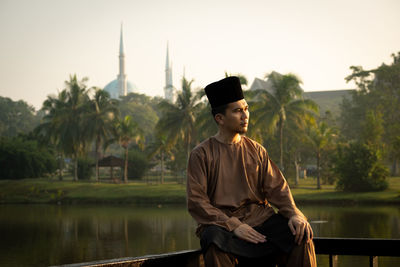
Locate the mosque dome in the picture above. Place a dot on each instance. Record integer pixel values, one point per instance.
(113, 90)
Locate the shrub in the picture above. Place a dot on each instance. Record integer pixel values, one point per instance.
(359, 169)
(22, 158)
(85, 168)
(138, 164)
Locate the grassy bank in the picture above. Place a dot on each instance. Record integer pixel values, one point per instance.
(69, 192)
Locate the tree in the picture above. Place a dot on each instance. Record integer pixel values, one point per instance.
(144, 109)
(22, 157)
(16, 117)
(162, 148)
(359, 168)
(178, 119)
(320, 136)
(378, 92)
(272, 110)
(127, 132)
(49, 131)
(64, 120)
(100, 121)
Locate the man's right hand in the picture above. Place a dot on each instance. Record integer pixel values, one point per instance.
(247, 233)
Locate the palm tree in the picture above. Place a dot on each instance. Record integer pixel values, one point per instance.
(127, 132)
(63, 122)
(178, 120)
(71, 121)
(161, 147)
(48, 130)
(100, 121)
(272, 109)
(320, 136)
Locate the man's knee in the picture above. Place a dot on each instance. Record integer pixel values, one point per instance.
(302, 255)
(214, 256)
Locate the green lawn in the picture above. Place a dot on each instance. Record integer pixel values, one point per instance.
(53, 191)
(307, 192)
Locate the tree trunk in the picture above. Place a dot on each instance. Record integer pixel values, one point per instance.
(126, 166)
(76, 168)
(187, 154)
(97, 160)
(394, 170)
(60, 166)
(318, 170)
(162, 167)
(296, 164)
(281, 145)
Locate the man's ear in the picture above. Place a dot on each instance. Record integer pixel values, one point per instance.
(219, 118)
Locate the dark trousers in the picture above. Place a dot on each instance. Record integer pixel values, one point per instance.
(223, 248)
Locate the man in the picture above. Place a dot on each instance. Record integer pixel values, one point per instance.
(231, 185)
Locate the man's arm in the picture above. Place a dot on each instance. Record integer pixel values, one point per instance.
(278, 193)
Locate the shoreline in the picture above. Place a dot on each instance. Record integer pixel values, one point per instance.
(44, 191)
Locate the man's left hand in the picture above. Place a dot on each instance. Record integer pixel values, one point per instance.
(300, 228)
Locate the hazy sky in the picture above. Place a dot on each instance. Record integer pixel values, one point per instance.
(42, 42)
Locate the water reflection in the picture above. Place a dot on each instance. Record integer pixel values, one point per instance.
(41, 235)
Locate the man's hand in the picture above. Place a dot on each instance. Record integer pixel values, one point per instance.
(247, 233)
(300, 228)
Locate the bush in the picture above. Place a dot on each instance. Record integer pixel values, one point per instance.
(138, 164)
(359, 169)
(85, 168)
(22, 158)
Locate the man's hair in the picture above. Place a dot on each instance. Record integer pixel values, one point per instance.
(220, 109)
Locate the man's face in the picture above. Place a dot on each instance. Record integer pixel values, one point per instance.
(236, 118)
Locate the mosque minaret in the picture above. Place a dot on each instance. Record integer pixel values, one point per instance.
(120, 86)
(122, 81)
(169, 93)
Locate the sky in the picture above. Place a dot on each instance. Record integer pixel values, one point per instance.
(43, 42)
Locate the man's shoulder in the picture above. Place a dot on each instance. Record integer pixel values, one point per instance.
(250, 142)
(203, 146)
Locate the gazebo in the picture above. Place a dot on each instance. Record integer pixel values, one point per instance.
(111, 161)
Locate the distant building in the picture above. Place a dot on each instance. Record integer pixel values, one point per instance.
(169, 90)
(265, 85)
(329, 100)
(120, 86)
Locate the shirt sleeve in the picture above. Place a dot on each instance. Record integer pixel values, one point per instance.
(198, 202)
(277, 191)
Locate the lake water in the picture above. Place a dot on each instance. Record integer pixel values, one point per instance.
(43, 235)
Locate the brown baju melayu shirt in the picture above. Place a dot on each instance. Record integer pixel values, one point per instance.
(231, 184)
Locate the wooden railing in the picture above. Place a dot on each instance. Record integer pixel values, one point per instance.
(372, 248)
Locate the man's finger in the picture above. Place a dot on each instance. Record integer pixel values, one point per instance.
(292, 227)
(248, 234)
(299, 234)
(310, 232)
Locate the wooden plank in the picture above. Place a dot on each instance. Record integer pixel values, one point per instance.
(373, 261)
(189, 258)
(333, 260)
(329, 246)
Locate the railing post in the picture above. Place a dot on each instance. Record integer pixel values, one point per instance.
(333, 260)
(373, 261)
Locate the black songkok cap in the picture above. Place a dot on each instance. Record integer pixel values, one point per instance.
(225, 91)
